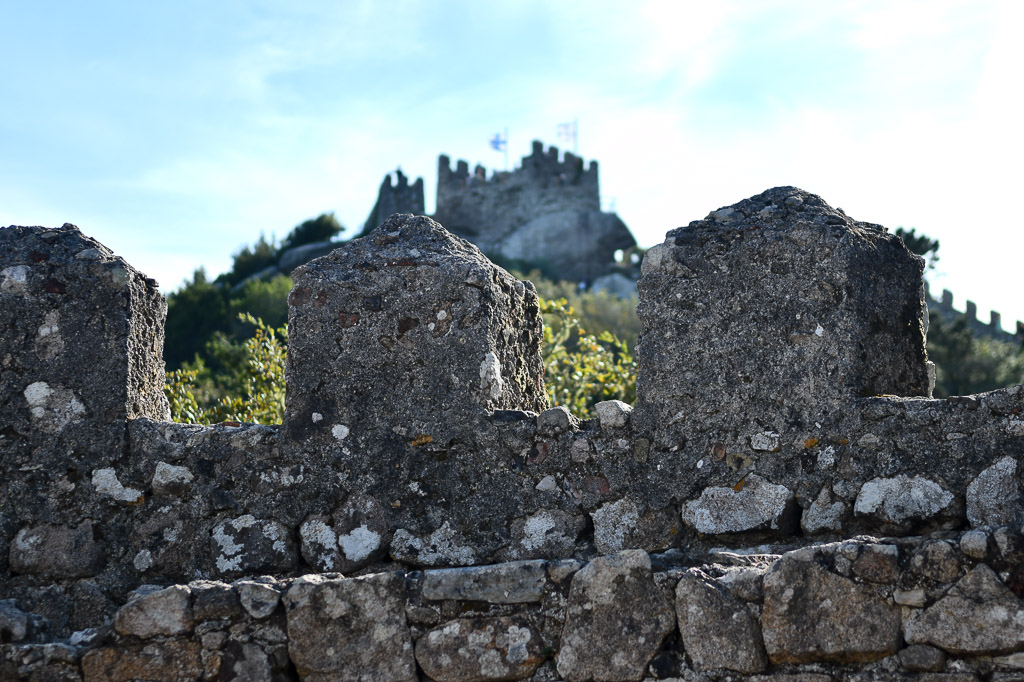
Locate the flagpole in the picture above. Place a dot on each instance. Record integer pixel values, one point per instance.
(506, 149)
(576, 137)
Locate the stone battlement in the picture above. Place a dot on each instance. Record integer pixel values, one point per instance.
(992, 329)
(423, 514)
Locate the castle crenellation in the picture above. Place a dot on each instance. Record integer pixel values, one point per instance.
(992, 329)
(785, 498)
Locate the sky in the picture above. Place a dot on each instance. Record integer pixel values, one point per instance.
(175, 133)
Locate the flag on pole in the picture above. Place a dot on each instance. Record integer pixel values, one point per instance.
(498, 142)
(567, 133)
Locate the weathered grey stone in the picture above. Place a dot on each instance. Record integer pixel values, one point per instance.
(615, 620)
(559, 571)
(409, 326)
(575, 244)
(14, 623)
(877, 563)
(613, 414)
(811, 614)
(107, 485)
(744, 307)
(621, 525)
(446, 546)
(213, 600)
(327, 635)
(825, 513)
(993, 498)
(917, 597)
(354, 536)
(82, 350)
(52, 551)
(1009, 540)
(296, 256)
(902, 499)
(979, 616)
(757, 504)
(245, 661)
(743, 582)
(615, 284)
(169, 479)
(35, 662)
(554, 420)
(1010, 661)
(547, 211)
(152, 612)
(974, 543)
(175, 659)
(478, 650)
(936, 560)
(547, 534)
(259, 599)
(718, 631)
(250, 545)
(922, 658)
(509, 583)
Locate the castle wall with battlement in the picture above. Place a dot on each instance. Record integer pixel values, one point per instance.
(993, 328)
(487, 209)
(784, 498)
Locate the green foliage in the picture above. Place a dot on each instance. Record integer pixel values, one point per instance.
(251, 389)
(194, 313)
(320, 229)
(251, 259)
(202, 311)
(597, 311)
(966, 364)
(581, 368)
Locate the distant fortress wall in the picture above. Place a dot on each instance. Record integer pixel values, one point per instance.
(546, 213)
(943, 307)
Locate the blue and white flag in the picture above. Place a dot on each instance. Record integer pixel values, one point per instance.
(567, 132)
(498, 142)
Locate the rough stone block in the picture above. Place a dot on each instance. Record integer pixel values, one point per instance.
(922, 658)
(174, 659)
(53, 551)
(83, 347)
(328, 637)
(153, 612)
(478, 650)
(811, 614)
(509, 583)
(993, 498)
(406, 337)
(752, 504)
(718, 631)
(903, 500)
(770, 314)
(615, 620)
(623, 525)
(249, 545)
(355, 535)
(979, 616)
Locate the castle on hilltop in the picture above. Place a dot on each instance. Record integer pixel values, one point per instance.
(545, 213)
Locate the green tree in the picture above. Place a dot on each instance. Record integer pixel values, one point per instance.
(194, 313)
(320, 229)
(252, 391)
(582, 369)
(967, 364)
(251, 259)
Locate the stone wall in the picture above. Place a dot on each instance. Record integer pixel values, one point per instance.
(992, 329)
(785, 498)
